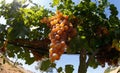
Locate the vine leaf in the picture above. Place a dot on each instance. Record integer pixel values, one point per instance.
(19, 30)
(93, 64)
(2, 28)
(53, 65)
(45, 65)
(59, 69)
(29, 61)
(69, 68)
(55, 2)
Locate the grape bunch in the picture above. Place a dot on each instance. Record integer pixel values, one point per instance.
(109, 55)
(61, 31)
(36, 55)
(102, 31)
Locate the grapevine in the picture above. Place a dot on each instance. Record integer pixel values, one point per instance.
(61, 31)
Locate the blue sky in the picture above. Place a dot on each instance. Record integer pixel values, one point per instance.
(64, 60)
(117, 4)
(74, 60)
(69, 59)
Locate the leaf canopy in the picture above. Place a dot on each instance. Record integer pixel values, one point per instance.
(97, 33)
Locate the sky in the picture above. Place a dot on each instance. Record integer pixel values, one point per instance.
(66, 59)
(117, 4)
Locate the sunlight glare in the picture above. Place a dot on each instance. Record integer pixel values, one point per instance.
(9, 1)
(2, 20)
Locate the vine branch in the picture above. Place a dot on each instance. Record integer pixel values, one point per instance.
(36, 45)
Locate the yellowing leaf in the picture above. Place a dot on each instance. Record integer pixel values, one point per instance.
(116, 44)
(55, 2)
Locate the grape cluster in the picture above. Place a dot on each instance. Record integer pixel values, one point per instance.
(102, 31)
(61, 31)
(109, 55)
(36, 55)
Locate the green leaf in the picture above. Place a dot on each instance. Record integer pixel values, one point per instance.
(53, 65)
(19, 30)
(93, 63)
(55, 2)
(83, 37)
(45, 65)
(113, 10)
(29, 61)
(92, 6)
(117, 33)
(2, 28)
(59, 69)
(69, 69)
(11, 54)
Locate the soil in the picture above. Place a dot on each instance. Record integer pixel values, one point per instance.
(9, 67)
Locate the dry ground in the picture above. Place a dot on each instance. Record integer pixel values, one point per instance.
(8, 67)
